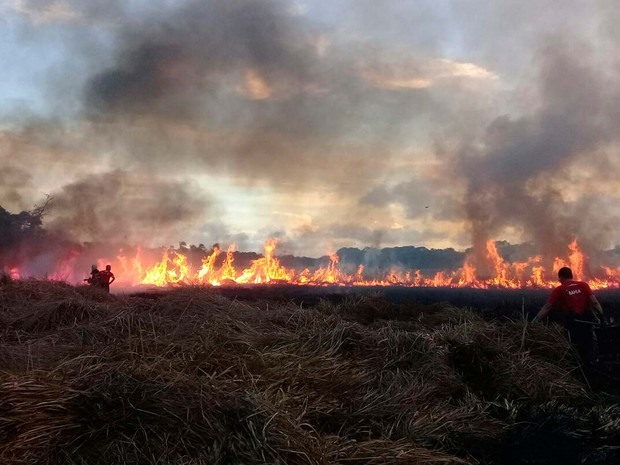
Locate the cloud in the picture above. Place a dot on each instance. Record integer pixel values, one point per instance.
(45, 12)
(255, 87)
(423, 73)
(444, 68)
(397, 82)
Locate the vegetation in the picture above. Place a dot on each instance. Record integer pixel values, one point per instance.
(191, 377)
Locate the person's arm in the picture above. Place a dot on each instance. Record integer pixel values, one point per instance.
(598, 309)
(113, 278)
(544, 311)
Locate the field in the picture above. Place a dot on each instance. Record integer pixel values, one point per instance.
(201, 376)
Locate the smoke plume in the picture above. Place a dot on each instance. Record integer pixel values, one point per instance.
(362, 123)
(527, 171)
(127, 208)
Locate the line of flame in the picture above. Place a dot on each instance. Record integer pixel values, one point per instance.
(174, 269)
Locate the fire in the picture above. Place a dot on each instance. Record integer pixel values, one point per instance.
(13, 273)
(171, 270)
(266, 269)
(576, 261)
(174, 269)
(218, 268)
(210, 274)
(468, 277)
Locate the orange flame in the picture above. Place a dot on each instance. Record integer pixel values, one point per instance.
(173, 269)
(215, 270)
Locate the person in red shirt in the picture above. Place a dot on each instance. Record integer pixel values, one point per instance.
(106, 277)
(574, 300)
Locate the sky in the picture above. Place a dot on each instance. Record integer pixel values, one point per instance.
(324, 123)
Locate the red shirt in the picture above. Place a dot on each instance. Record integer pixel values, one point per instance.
(571, 297)
(105, 276)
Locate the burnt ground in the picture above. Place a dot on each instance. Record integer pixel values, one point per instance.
(494, 303)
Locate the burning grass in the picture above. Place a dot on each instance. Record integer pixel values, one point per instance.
(191, 377)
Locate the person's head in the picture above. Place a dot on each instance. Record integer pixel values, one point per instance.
(108, 267)
(565, 273)
(93, 268)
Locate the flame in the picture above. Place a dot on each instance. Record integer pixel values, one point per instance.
(208, 274)
(13, 273)
(174, 269)
(576, 260)
(266, 269)
(218, 268)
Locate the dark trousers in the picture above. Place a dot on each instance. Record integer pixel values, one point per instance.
(580, 335)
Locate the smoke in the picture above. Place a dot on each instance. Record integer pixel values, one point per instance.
(345, 101)
(527, 172)
(232, 88)
(13, 181)
(256, 91)
(127, 208)
(236, 86)
(162, 68)
(251, 90)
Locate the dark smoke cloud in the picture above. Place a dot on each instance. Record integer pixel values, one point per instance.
(244, 86)
(162, 67)
(520, 176)
(123, 207)
(243, 89)
(258, 93)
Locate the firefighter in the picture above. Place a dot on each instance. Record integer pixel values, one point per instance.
(106, 277)
(93, 279)
(575, 301)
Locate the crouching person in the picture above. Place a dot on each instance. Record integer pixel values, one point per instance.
(93, 278)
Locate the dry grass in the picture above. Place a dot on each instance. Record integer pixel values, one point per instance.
(190, 377)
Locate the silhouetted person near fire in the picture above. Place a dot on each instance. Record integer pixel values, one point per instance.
(93, 279)
(106, 277)
(574, 300)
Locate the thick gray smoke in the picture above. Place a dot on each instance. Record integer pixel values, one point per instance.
(524, 171)
(126, 208)
(165, 67)
(241, 86)
(342, 99)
